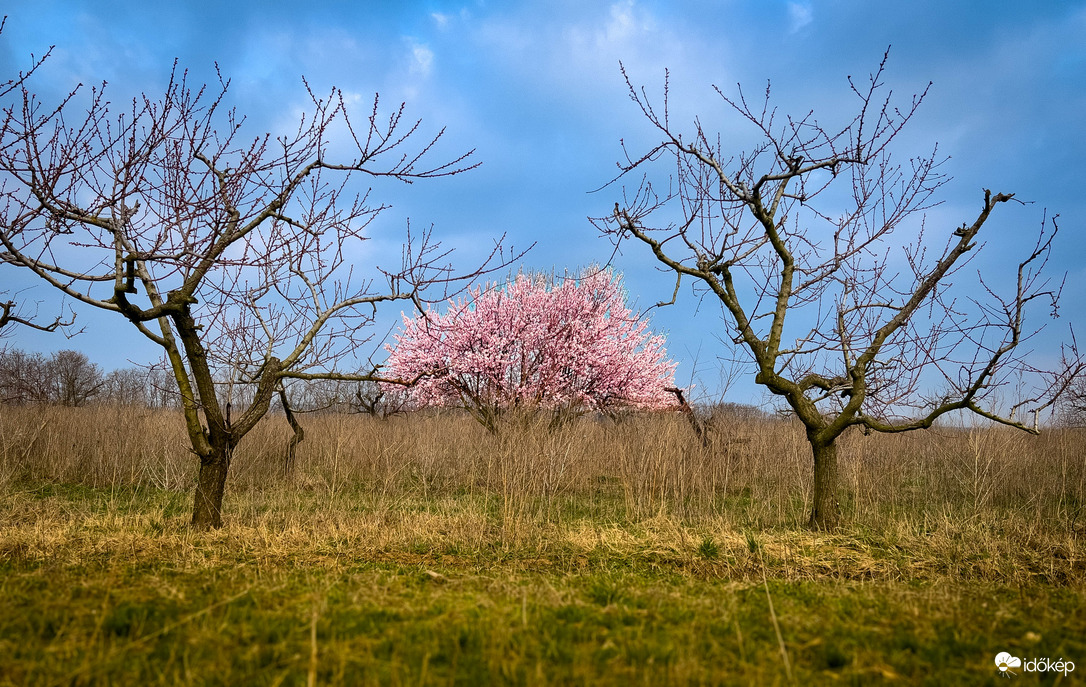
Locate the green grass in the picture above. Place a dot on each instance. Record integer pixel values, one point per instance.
(109, 586)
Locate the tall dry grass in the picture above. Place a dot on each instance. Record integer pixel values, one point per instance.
(756, 473)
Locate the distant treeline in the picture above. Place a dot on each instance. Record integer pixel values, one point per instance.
(70, 378)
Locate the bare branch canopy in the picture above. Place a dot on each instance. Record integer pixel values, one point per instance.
(226, 249)
(816, 245)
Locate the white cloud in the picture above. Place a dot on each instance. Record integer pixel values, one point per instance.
(623, 24)
(422, 59)
(577, 54)
(799, 15)
(629, 32)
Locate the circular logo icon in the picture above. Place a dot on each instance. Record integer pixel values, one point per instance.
(1005, 662)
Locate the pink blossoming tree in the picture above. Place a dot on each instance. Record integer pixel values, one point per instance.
(567, 346)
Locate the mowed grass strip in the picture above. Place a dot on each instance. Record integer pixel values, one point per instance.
(108, 586)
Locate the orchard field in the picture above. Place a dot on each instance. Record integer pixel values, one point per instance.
(423, 549)
(512, 487)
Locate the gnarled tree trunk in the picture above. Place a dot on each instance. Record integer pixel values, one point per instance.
(825, 509)
(297, 438)
(207, 510)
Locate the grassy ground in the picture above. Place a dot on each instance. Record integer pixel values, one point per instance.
(462, 575)
(109, 587)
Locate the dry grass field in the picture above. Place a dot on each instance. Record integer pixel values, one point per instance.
(423, 550)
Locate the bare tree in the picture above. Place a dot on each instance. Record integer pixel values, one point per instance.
(162, 387)
(65, 378)
(73, 379)
(151, 386)
(129, 386)
(800, 240)
(11, 312)
(379, 401)
(24, 377)
(1072, 406)
(331, 396)
(223, 250)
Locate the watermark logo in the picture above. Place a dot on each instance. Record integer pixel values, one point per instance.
(1007, 664)
(1011, 665)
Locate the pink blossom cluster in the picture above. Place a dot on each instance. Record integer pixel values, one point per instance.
(535, 344)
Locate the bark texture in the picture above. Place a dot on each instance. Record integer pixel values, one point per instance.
(210, 487)
(825, 508)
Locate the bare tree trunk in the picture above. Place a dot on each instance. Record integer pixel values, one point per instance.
(825, 511)
(299, 433)
(207, 510)
(691, 417)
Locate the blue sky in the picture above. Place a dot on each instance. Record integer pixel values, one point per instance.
(535, 88)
